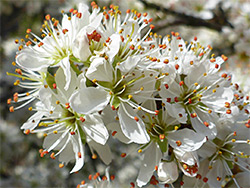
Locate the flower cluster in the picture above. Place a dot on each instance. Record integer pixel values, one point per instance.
(102, 74)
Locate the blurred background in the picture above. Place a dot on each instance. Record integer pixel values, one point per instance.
(223, 24)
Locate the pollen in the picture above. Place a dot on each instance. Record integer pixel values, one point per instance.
(140, 150)
(30, 108)
(55, 132)
(130, 96)
(61, 165)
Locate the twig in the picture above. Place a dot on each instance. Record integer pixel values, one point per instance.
(189, 20)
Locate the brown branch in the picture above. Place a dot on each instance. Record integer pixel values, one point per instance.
(216, 23)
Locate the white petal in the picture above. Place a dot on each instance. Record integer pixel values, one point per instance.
(57, 140)
(65, 64)
(78, 147)
(45, 96)
(177, 111)
(119, 134)
(61, 80)
(67, 154)
(132, 129)
(100, 70)
(93, 126)
(103, 151)
(32, 122)
(129, 64)
(190, 140)
(200, 128)
(89, 100)
(81, 46)
(29, 59)
(96, 22)
(167, 172)
(50, 139)
(114, 45)
(151, 159)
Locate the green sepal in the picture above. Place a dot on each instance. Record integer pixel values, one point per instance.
(74, 68)
(82, 134)
(105, 84)
(157, 84)
(163, 144)
(89, 83)
(50, 81)
(115, 101)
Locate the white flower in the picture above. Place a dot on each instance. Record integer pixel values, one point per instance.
(196, 86)
(164, 134)
(125, 90)
(55, 48)
(66, 130)
(228, 150)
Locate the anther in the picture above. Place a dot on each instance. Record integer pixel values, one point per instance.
(47, 17)
(11, 109)
(123, 155)
(67, 105)
(114, 133)
(193, 115)
(82, 119)
(79, 154)
(52, 155)
(27, 131)
(177, 66)
(206, 124)
(61, 165)
(178, 142)
(94, 156)
(136, 118)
